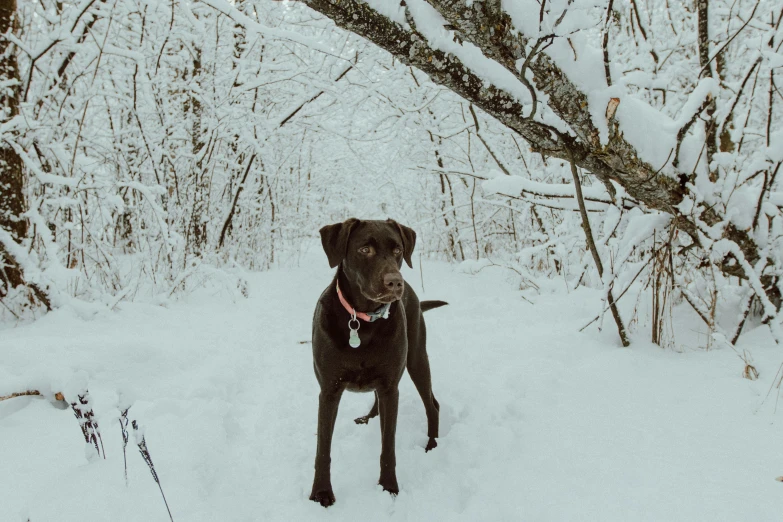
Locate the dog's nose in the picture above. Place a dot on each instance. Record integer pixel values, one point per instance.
(393, 281)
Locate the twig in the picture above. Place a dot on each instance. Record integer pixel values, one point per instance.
(486, 145)
(696, 308)
(527, 279)
(141, 442)
(57, 396)
(82, 410)
(745, 313)
(315, 97)
(234, 203)
(623, 292)
(765, 187)
(125, 436)
(726, 44)
(51, 45)
(739, 93)
(591, 243)
(523, 70)
(605, 44)
(20, 394)
(684, 130)
(473, 218)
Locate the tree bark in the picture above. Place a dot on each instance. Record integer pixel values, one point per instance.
(198, 225)
(12, 201)
(711, 128)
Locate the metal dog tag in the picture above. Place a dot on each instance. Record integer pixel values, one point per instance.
(353, 337)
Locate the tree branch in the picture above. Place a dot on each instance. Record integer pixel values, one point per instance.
(490, 28)
(596, 257)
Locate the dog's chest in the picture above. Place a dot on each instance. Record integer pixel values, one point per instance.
(373, 366)
(370, 378)
(361, 381)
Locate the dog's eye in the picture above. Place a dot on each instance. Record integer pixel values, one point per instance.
(397, 251)
(364, 250)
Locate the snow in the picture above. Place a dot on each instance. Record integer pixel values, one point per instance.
(581, 61)
(775, 150)
(538, 422)
(553, 195)
(391, 10)
(521, 12)
(518, 184)
(651, 132)
(707, 87)
(252, 26)
(640, 227)
(430, 23)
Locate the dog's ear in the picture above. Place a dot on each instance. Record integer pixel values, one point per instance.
(408, 241)
(334, 239)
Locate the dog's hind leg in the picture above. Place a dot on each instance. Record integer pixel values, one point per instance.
(373, 413)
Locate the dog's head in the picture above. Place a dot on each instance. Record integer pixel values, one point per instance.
(371, 253)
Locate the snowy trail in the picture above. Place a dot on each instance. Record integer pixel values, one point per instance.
(538, 422)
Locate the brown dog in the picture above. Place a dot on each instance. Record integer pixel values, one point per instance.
(367, 328)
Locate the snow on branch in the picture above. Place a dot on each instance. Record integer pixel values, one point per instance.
(490, 29)
(633, 149)
(249, 24)
(519, 184)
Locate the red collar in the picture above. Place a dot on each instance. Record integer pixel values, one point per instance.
(371, 317)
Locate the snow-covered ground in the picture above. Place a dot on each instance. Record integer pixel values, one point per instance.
(538, 422)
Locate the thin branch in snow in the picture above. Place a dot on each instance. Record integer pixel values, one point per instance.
(596, 256)
(82, 410)
(141, 442)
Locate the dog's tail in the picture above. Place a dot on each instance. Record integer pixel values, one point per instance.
(429, 305)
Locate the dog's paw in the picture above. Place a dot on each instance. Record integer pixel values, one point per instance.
(390, 485)
(363, 420)
(431, 445)
(324, 497)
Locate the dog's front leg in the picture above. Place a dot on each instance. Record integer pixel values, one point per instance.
(328, 402)
(388, 400)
